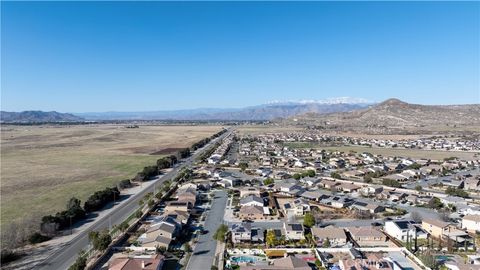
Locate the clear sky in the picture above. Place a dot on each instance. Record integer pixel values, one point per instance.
(138, 56)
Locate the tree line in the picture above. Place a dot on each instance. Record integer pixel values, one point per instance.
(74, 212)
(168, 161)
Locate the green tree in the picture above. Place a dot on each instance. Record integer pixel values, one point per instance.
(159, 195)
(271, 238)
(161, 249)
(268, 181)
(243, 166)
(391, 183)
(297, 176)
(80, 263)
(188, 248)
(418, 188)
(139, 213)
(435, 203)
(150, 202)
(221, 233)
(308, 220)
(123, 226)
(367, 179)
(336, 175)
(100, 241)
(37, 237)
(326, 243)
(309, 173)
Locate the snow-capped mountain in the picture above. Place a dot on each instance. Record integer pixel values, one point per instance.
(335, 100)
(268, 111)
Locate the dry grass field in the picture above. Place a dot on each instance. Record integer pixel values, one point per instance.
(411, 153)
(259, 129)
(43, 166)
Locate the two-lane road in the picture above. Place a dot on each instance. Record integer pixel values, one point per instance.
(204, 253)
(67, 254)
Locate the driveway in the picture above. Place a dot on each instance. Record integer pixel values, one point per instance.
(204, 252)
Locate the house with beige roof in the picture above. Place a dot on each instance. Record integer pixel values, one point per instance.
(435, 227)
(251, 212)
(367, 235)
(287, 263)
(336, 236)
(471, 223)
(154, 262)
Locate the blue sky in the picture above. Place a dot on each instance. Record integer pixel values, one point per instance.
(138, 56)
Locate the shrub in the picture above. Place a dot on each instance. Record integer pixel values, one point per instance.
(80, 263)
(139, 213)
(37, 237)
(391, 183)
(100, 241)
(100, 198)
(336, 175)
(64, 219)
(124, 184)
(8, 255)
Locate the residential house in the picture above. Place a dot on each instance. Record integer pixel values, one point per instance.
(404, 229)
(144, 262)
(252, 200)
(471, 184)
(348, 187)
(293, 231)
(159, 234)
(289, 188)
(314, 195)
(177, 206)
(246, 191)
(251, 212)
(329, 184)
(336, 236)
(371, 190)
(241, 232)
(366, 234)
(471, 223)
(435, 227)
(372, 261)
(370, 207)
(287, 263)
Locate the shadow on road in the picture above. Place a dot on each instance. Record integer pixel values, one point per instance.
(201, 252)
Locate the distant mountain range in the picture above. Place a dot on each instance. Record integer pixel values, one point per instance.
(37, 117)
(394, 113)
(269, 111)
(332, 113)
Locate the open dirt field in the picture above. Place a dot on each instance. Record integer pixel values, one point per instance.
(43, 166)
(259, 129)
(411, 153)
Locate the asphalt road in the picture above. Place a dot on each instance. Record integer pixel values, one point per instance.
(204, 253)
(67, 254)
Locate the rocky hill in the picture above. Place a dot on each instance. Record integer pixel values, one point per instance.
(394, 114)
(37, 117)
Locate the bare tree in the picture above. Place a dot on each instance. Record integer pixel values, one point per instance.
(417, 217)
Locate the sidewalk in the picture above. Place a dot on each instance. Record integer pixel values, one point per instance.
(219, 254)
(41, 252)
